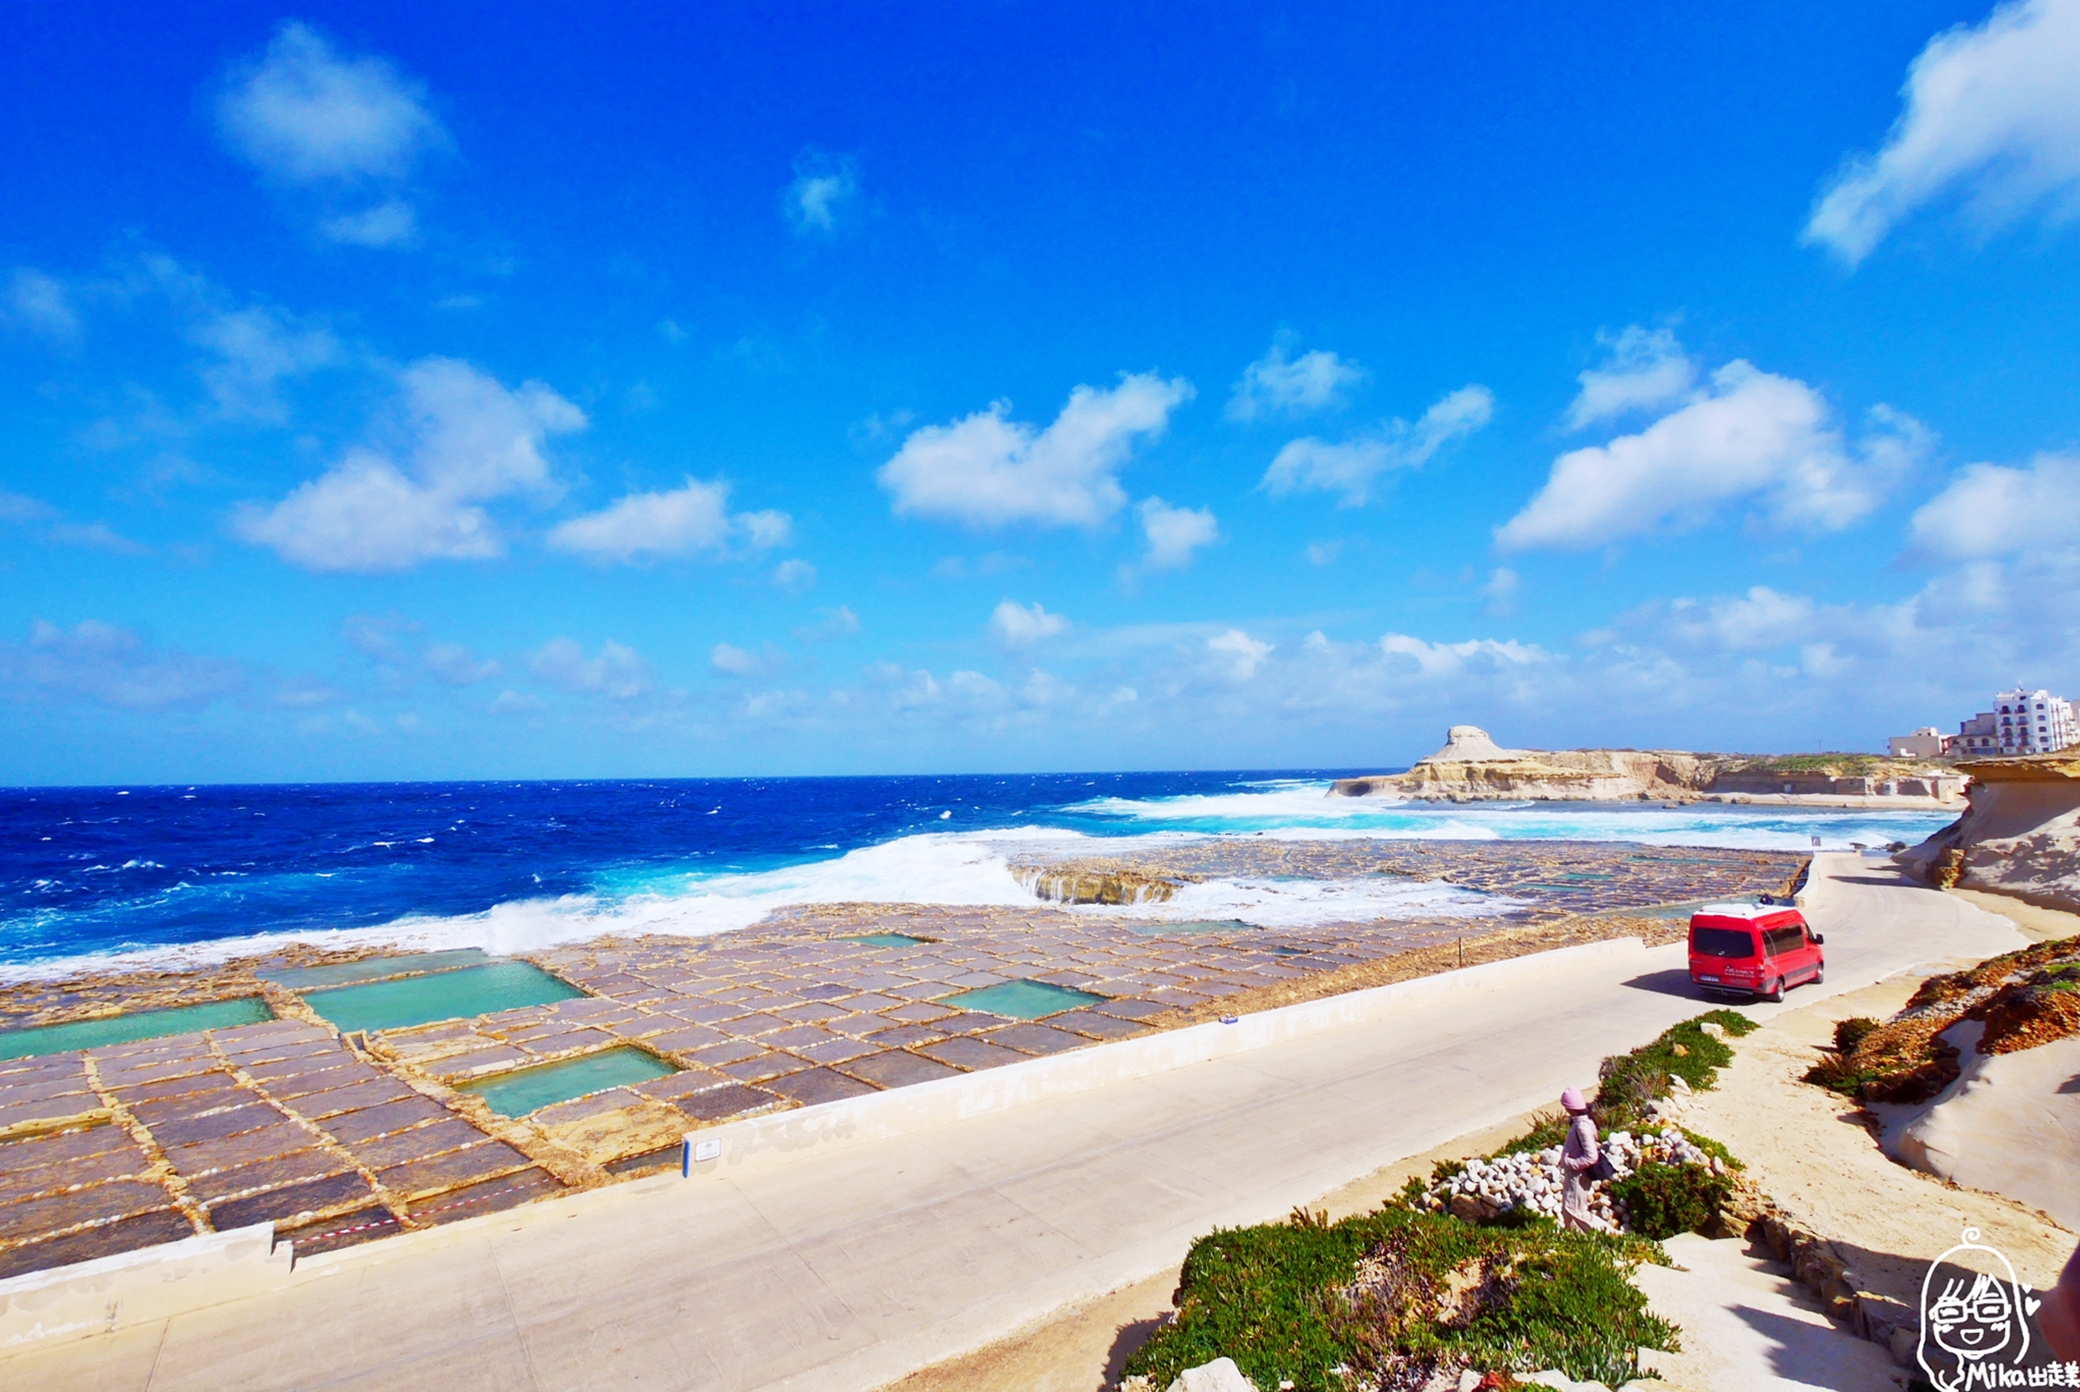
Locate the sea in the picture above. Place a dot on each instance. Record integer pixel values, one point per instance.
(125, 878)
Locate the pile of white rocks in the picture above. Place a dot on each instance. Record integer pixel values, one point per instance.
(1488, 1188)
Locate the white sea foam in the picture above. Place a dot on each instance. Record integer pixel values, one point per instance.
(1303, 811)
(975, 868)
(1294, 903)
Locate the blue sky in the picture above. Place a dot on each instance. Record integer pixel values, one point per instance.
(481, 393)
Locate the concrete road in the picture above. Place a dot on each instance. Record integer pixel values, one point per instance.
(850, 1267)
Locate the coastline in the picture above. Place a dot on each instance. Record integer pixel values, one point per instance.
(345, 1133)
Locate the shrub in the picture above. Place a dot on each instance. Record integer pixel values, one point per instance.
(1547, 1129)
(1630, 1081)
(1397, 1291)
(1664, 1200)
(1838, 1072)
(1851, 1032)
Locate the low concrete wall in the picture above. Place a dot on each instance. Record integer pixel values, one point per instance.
(111, 1293)
(789, 1135)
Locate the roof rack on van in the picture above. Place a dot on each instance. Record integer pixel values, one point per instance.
(1763, 909)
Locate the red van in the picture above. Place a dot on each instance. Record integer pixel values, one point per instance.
(1754, 949)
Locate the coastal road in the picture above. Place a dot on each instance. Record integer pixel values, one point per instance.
(850, 1267)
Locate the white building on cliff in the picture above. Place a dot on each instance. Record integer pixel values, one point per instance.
(2021, 722)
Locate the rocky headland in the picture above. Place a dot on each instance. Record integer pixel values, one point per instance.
(1473, 768)
(2020, 836)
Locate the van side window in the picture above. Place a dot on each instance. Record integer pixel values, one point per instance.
(1783, 941)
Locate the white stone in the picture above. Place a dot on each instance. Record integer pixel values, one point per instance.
(1221, 1375)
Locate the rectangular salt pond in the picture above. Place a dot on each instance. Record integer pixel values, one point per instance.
(448, 995)
(128, 1029)
(1148, 928)
(1667, 911)
(886, 940)
(372, 969)
(1022, 1000)
(527, 1090)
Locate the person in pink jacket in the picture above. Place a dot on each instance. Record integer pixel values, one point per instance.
(1577, 1157)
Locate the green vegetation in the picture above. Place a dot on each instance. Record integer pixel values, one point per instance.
(1664, 1200)
(2063, 978)
(1398, 1292)
(1630, 1081)
(1394, 1296)
(2025, 998)
(1840, 1071)
(1712, 1148)
(1852, 1031)
(1834, 765)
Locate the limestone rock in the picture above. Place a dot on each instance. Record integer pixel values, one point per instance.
(1221, 1375)
(1472, 767)
(2019, 836)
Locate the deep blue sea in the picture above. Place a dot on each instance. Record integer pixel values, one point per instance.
(200, 872)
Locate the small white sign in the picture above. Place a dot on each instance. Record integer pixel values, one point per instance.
(706, 1150)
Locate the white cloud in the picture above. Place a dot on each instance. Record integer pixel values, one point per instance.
(1990, 510)
(642, 526)
(306, 114)
(1747, 434)
(1174, 533)
(377, 635)
(1502, 589)
(1991, 113)
(1311, 465)
(17, 507)
(734, 661)
(824, 187)
(617, 672)
(765, 529)
(1324, 553)
(1275, 385)
(256, 349)
(987, 471)
(840, 622)
(1646, 369)
(96, 536)
(977, 688)
(794, 575)
(41, 303)
(513, 703)
(113, 666)
(464, 440)
(455, 665)
(1244, 653)
(387, 224)
(1019, 625)
(1759, 621)
(1446, 659)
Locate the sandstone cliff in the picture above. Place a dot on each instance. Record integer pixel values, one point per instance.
(2020, 836)
(1473, 768)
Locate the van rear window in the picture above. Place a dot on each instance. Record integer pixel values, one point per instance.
(1721, 942)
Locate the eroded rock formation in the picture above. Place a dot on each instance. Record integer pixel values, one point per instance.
(2019, 836)
(1473, 768)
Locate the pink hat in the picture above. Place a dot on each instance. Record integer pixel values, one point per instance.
(1572, 1100)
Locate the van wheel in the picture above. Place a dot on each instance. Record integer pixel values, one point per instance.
(1819, 973)
(1775, 992)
